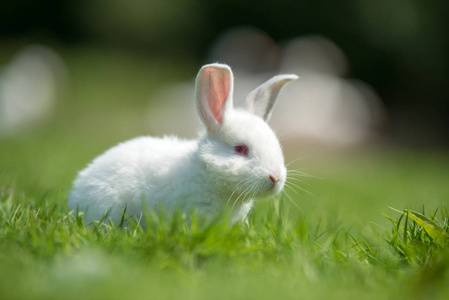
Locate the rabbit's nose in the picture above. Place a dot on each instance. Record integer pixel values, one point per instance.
(273, 179)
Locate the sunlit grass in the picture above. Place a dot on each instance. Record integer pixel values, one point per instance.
(328, 239)
(54, 254)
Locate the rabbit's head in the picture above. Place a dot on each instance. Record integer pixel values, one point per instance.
(239, 149)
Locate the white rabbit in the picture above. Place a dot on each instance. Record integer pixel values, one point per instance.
(236, 158)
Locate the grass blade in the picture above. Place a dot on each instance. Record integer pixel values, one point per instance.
(434, 230)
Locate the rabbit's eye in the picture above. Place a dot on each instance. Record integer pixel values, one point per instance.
(241, 150)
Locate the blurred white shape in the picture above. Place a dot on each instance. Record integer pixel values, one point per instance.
(321, 107)
(328, 110)
(29, 85)
(314, 54)
(247, 49)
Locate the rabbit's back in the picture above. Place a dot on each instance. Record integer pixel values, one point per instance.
(142, 169)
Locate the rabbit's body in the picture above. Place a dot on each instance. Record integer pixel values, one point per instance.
(154, 168)
(236, 159)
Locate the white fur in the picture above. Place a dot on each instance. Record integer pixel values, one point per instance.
(204, 174)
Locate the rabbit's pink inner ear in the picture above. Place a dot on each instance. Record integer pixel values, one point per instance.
(219, 87)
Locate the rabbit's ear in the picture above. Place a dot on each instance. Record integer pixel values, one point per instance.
(214, 85)
(262, 99)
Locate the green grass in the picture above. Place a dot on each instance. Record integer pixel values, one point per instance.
(47, 253)
(343, 242)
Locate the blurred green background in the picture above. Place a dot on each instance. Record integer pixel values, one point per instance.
(368, 119)
(109, 60)
(401, 47)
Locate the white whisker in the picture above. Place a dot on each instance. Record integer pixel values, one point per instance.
(291, 200)
(302, 174)
(314, 154)
(244, 194)
(236, 188)
(293, 161)
(294, 178)
(292, 189)
(302, 189)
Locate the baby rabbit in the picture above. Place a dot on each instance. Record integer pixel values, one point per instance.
(235, 159)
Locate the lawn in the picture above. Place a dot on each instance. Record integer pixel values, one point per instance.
(334, 242)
